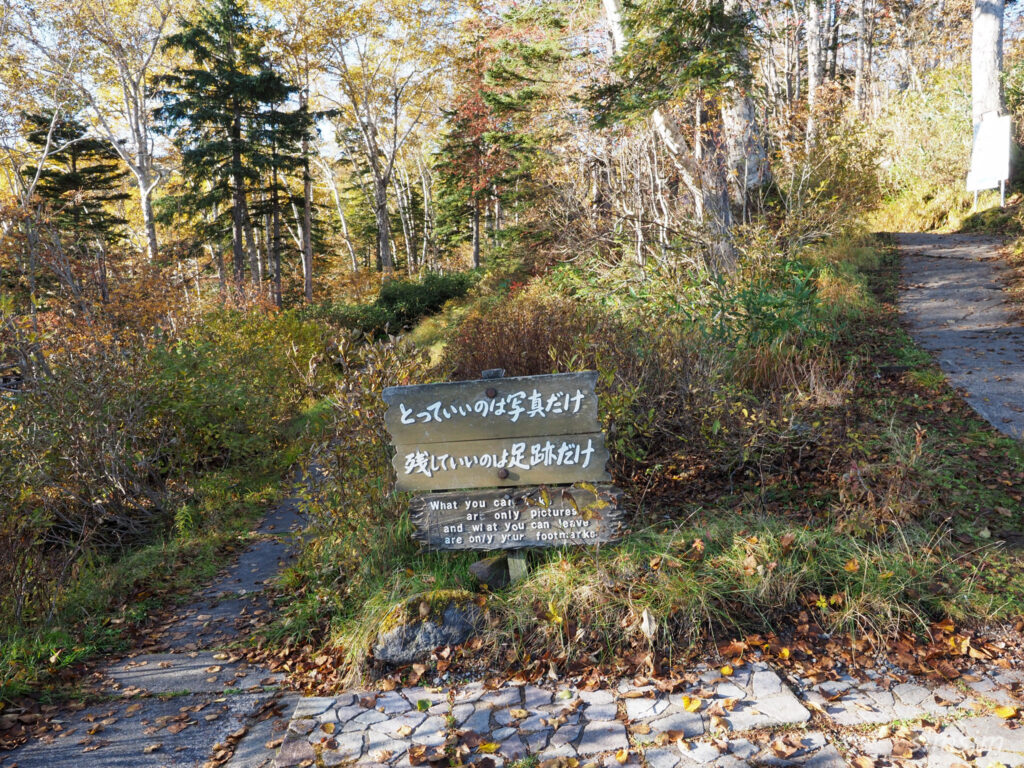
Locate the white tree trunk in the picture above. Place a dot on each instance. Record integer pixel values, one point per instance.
(815, 62)
(747, 160)
(986, 57)
(861, 57)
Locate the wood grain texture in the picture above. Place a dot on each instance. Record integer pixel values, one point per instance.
(505, 462)
(515, 519)
(522, 406)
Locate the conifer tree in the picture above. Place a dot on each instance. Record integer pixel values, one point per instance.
(81, 184)
(221, 108)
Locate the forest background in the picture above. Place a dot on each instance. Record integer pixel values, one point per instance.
(225, 227)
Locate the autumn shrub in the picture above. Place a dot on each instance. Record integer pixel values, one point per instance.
(229, 382)
(827, 185)
(399, 303)
(99, 454)
(926, 135)
(359, 526)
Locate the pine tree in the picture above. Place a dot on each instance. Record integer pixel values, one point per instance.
(83, 181)
(81, 184)
(221, 110)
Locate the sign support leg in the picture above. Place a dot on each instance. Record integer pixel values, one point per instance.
(517, 565)
(1002, 193)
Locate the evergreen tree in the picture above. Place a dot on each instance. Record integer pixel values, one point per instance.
(84, 180)
(222, 111)
(82, 184)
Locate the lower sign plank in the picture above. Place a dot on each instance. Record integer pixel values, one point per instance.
(515, 519)
(502, 462)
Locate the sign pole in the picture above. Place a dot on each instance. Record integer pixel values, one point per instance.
(517, 565)
(516, 558)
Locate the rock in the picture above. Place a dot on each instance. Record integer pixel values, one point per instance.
(452, 619)
(492, 571)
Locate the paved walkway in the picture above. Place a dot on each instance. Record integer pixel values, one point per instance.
(759, 714)
(954, 304)
(185, 698)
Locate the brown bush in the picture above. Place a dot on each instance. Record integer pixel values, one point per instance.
(527, 333)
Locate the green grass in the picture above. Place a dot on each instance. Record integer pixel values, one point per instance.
(885, 535)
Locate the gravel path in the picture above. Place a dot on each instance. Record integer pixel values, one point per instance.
(185, 698)
(954, 304)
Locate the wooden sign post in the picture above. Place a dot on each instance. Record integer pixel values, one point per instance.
(535, 441)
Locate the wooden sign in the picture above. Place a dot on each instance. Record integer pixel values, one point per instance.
(536, 431)
(522, 406)
(534, 517)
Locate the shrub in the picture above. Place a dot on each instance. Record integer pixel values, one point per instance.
(399, 304)
(96, 456)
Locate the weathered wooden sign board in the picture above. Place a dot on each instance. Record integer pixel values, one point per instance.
(499, 433)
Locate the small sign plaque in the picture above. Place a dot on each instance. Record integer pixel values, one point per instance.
(508, 461)
(534, 517)
(521, 406)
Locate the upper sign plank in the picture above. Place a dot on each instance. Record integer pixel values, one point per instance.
(524, 406)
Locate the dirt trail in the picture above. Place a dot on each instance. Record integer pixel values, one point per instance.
(956, 308)
(171, 702)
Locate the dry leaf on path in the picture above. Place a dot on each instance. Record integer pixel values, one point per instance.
(902, 749)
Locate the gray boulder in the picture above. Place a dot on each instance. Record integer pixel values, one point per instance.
(410, 636)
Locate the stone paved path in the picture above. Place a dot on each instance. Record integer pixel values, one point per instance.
(757, 715)
(955, 306)
(185, 697)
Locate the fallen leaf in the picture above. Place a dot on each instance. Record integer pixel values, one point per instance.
(692, 703)
(785, 746)
(151, 748)
(488, 747)
(1007, 712)
(622, 756)
(786, 542)
(726, 671)
(902, 749)
(327, 728)
(862, 761)
(519, 714)
(852, 565)
(417, 754)
(404, 731)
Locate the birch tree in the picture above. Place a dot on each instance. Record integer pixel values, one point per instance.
(385, 61)
(986, 58)
(110, 51)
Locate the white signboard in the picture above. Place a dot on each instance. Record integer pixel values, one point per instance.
(990, 157)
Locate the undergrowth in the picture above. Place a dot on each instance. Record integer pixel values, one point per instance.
(770, 469)
(129, 467)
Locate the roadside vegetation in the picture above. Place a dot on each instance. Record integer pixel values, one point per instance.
(179, 334)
